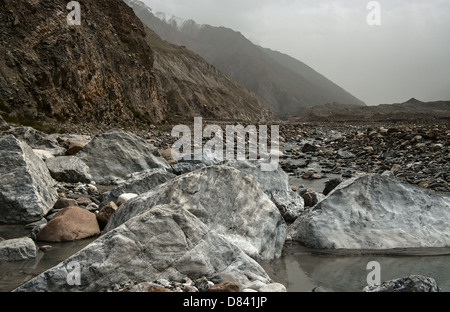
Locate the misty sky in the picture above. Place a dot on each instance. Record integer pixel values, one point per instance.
(407, 56)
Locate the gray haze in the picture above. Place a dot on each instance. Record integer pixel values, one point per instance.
(407, 56)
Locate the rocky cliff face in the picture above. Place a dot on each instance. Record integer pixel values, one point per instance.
(196, 88)
(101, 71)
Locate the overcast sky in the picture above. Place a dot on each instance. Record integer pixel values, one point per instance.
(407, 56)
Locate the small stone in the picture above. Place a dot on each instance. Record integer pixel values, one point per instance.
(307, 197)
(308, 148)
(189, 288)
(331, 185)
(84, 201)
(92, 207)
(124, 198)
(226, 287)
(46, 248)
(222, 277)
(106, 212)
(74, 148)
(308, 175)
(92, 189)
(202, 284)
(157, 289)
(64, 203)
(396, 168)
(275, 287)
(163, 282)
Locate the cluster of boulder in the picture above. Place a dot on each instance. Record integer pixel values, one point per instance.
(416, 153)
(183, 222)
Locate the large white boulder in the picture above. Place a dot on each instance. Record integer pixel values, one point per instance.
(27, 191)
(166, 242)
(116, 154)
(375, 212)
(226, 200)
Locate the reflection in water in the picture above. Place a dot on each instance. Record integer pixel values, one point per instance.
(305, 270)
(14, 274)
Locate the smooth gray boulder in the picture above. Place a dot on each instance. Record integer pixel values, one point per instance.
(17, 249)
(69, 169)
(166, 242)
(27, 191)
(413, 283)
(276, 185)
(116, 154)
(139, 183)
(226, 200)
(375, 212)
(37, 140)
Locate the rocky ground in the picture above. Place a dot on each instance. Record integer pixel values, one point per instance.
(103, 184)
(416, 153)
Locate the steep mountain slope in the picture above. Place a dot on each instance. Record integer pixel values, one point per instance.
(281, 83)
(103, 72)
(196, 88)
(100, 72)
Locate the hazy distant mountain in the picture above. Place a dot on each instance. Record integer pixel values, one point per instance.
(281, 83)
